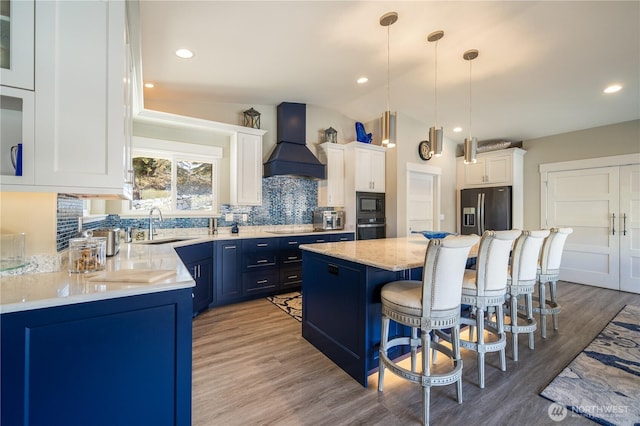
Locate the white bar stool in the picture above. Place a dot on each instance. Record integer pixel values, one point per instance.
(430, 304)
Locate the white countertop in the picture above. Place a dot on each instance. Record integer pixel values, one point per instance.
(391, 254)
(44, 290)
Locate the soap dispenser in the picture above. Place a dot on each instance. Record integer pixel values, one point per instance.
(234, 228)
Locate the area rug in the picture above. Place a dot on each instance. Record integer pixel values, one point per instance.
(603, 382)
(291, 303)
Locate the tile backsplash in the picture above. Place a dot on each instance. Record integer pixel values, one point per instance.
(286, 200)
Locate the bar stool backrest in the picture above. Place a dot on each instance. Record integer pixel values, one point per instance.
(525, 255)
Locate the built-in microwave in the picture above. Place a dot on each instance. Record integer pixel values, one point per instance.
(370, 204)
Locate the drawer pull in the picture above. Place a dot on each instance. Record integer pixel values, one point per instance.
(291, 277)
(262, 261)
(263, 245)
(292, 257)
(229, 247)
(262, 281)
(291, 243)
(320, 241)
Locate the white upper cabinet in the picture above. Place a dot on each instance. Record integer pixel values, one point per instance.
(495, 168)
(331, 189)
(366, 164)
(81, 79)
(17, 53)
(246, 169)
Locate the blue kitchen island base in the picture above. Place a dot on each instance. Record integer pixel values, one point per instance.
(341, 311)
(111, 362)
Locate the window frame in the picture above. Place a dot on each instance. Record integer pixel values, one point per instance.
(177, 151)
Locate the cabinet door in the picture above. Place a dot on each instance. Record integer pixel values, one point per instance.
(246, 170)
(228, 284)
(17, 32)
(17, 115)
(331, 190)
(498, 169)
(203, 291)
(362, 170)
(80, 109)
(378, 171)
(474, 173)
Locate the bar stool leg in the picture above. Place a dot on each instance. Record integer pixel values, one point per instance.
(480, 345)
(543, 305)
(414, 347)
(501, 334)
(529, 302)
(455, 343)
(514, 325)
(426, 371)
(383, 349)
(552, 292)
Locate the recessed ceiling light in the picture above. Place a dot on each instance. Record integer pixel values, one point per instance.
(457, 129)
(362, 80)
(184, 53)
(613, 88)
(149, 85)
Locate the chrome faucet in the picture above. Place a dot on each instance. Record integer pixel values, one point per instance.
(151, 231)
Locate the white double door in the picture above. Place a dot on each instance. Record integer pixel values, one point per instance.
(602, 205)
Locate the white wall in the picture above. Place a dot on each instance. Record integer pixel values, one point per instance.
(409, 134)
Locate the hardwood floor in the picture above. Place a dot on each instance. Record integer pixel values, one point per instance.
(251, 366)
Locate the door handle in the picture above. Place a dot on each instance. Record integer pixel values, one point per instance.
(624, 224)
(613, 224)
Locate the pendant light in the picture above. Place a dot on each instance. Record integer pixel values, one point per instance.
(470, 143)
(388, 119)
(435, 133)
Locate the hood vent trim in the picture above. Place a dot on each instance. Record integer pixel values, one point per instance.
(291, 155)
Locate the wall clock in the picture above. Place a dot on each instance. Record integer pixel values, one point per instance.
(424, 150)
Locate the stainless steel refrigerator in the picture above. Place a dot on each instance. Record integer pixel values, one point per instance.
(485, 209)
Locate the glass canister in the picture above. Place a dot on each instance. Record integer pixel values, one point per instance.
(12, 251)
(87, 254)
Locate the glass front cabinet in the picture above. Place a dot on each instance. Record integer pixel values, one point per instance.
(17, 103)
(17, 47)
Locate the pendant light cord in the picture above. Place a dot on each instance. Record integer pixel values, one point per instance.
(435, 90)
(470, 65)
(388, 71)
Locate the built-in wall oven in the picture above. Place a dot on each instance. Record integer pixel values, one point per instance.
(370, 218)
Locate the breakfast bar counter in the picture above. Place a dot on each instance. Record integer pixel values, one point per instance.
(341, 307)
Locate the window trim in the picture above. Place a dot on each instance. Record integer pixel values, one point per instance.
(183, 151)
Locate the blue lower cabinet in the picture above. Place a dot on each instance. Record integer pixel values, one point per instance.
(227, 272)
(112, 362)
(258, 267)
(198, 259)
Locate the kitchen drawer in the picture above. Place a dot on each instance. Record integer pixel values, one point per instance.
(260, 281)
(289, 251)
(291, 276)
(346, 236)
(259, 253)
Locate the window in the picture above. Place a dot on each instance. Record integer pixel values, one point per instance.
(178, 178)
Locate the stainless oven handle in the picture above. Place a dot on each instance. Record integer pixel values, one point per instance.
(371, 225)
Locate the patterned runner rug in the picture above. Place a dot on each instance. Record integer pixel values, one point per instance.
(291, 303)
(603, 382)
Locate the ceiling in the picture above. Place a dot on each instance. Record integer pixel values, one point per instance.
(541, 69)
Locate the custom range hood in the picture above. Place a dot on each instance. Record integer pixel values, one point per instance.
(291, 155)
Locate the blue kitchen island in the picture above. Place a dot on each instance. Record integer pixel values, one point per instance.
(341, 309)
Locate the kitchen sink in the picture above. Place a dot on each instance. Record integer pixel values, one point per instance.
(164, 240)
